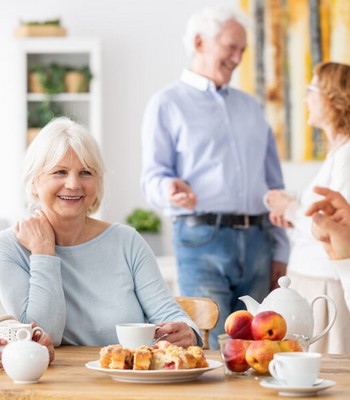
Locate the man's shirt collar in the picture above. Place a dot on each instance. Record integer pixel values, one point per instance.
(198, 81)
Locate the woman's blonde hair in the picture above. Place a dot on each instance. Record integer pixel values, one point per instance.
(334, 81)
(51, 145)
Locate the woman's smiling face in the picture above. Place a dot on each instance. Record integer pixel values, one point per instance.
(68, 189)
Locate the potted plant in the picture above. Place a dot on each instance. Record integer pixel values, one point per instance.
(39, 115)
(51, 27)
(148, 224)
(47, 79)
(77, 80)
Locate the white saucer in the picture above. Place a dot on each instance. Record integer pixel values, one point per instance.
(321, 384)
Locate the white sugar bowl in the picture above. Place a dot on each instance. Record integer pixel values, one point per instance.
(25, 361)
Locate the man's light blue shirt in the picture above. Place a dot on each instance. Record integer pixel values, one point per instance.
(219, 142)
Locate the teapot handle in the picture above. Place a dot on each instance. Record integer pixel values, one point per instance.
(333, 314)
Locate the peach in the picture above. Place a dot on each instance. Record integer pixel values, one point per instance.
(234, 355)
(238, 324)
(290, 345)
(260, 353)
(268, 325)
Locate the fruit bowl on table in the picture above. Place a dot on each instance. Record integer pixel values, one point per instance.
(250, 358)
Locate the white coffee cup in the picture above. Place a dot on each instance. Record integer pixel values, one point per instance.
(295, 369)
(133, 335)
(15, 331)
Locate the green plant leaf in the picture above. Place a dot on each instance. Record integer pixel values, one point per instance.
(144, 220)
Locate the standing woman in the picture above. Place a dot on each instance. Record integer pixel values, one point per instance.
(311, 272)
(74, 275)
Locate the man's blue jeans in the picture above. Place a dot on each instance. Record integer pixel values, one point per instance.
(223, 263)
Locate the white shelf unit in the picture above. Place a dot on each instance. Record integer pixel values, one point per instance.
(78, 52)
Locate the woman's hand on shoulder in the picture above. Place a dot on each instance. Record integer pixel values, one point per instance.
(36, 234)
(178, 333)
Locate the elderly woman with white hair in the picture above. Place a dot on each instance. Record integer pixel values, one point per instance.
(74, 275)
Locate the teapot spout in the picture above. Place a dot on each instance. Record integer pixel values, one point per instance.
(251, 304)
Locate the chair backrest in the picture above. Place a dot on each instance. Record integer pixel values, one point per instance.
(204, 312)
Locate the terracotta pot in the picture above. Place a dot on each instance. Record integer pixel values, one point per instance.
(34, 85)
(75, 82)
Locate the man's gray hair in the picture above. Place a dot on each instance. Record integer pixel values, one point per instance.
(208, 22)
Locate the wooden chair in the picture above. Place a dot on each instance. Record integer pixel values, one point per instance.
(204, 312)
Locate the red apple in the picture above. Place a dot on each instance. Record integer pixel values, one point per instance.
(238, 324)
(268, 325)
(234, 355)
(260, 353)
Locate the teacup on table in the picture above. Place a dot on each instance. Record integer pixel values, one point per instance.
(296, 369)
(133, 335)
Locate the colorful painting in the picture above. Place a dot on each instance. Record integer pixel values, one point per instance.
(286, 39)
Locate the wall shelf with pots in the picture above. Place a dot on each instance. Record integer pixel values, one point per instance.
(41, 103)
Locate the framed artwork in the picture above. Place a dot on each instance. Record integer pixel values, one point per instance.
(286, 39)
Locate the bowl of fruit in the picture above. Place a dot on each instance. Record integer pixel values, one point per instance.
(251, 341)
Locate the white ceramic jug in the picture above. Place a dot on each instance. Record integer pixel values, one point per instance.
(297, 312)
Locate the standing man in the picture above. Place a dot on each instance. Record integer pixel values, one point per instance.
(209, 157)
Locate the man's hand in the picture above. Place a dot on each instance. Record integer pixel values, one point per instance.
(278, 201)
(181, 195)
(278, 269)
(279, 221)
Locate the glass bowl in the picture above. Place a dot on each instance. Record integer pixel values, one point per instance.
(233, 354)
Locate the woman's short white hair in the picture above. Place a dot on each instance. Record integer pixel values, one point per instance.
(51, 145)
(208, 22)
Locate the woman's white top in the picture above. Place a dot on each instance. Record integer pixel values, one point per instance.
(307, 255)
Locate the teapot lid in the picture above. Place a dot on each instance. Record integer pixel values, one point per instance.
(284, 291)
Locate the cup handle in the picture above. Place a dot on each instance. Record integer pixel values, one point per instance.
(38, 329)
(333, 315)
(273, 371)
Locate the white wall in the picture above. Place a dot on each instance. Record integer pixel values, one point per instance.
(141, 52)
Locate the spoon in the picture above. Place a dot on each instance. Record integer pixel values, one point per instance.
(160, 338)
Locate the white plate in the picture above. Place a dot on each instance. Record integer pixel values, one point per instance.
(321, 384)
(154, 376)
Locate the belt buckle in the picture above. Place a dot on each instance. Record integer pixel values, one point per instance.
(245, 225)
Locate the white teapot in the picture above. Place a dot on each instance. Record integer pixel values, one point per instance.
(297, 312)
(24, 360)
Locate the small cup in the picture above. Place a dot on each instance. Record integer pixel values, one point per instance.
(16, 331)
(134, 335)
(295, 369)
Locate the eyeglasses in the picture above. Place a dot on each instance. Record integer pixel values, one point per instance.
(312, 88)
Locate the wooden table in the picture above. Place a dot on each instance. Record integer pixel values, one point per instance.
(68, 378)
